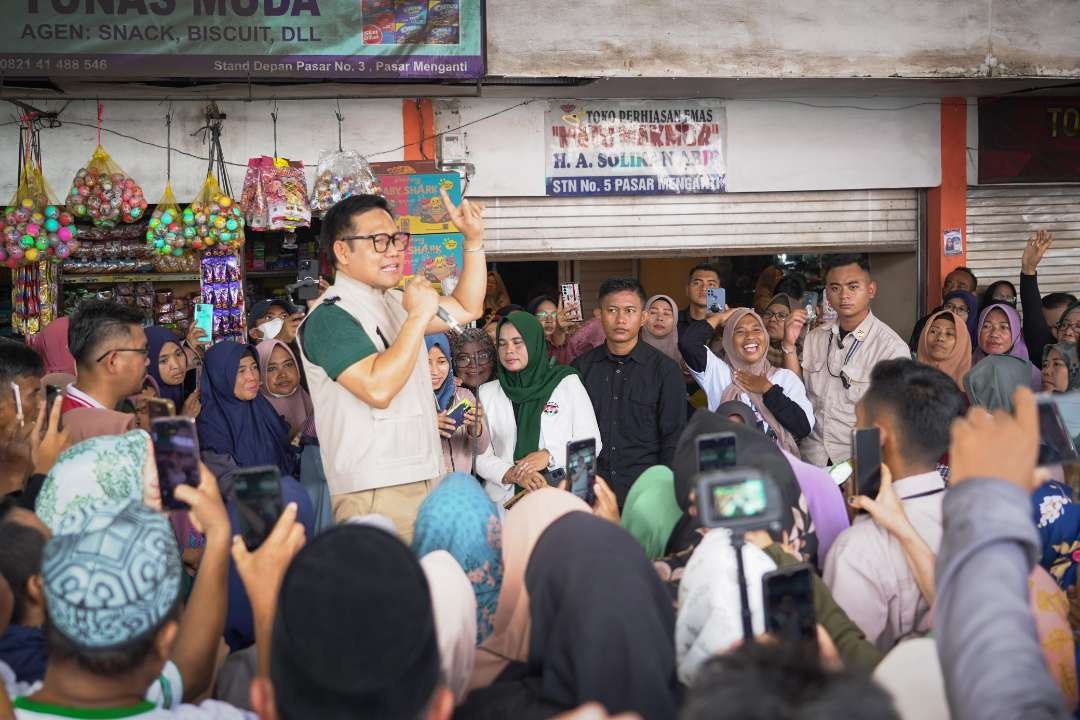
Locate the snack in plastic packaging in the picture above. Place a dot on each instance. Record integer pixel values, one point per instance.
(214, 217)
(341, 174)
(104, 193)
(166, 232)
(275, 194)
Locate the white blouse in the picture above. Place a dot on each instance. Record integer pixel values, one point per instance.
(717, 376)
(568, 416)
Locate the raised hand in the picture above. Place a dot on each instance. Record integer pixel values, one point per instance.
(468, 217)
(1036, 248)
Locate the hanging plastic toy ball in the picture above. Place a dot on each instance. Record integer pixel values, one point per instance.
(52, 211)
(51, 225)
(42, 243)
(31, 254)
(26, 241)
(65, 233)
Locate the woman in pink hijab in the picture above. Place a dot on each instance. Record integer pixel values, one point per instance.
(52, 344)
(281, 386)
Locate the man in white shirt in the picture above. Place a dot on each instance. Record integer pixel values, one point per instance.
(868, 569)
(838, 358)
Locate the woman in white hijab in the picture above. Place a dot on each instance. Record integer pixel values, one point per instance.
(710, 611)
(454, 603)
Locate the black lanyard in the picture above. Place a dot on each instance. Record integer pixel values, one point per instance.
(928, 493)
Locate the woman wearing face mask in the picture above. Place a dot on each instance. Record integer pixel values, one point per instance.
(473, 357)
(1061, 368)
(944, 344)
(536, 407)
(1000, 334)
(168, 366)
(460, 441)
(777, 395)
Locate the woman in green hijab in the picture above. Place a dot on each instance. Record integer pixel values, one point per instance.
(651, 510)
(533, 409)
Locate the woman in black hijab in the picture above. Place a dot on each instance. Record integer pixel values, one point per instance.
(603, 627)
(752, 449)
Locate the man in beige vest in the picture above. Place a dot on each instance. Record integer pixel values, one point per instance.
(366, 363)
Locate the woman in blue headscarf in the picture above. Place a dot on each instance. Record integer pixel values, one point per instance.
(461, 441)
(238, 427)
(169, 366)
(458, 517)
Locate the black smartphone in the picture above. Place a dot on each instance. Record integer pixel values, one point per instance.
(51, 393)
(258, 502)
(716, 451)
(789, 604)
(307, 273)
(160, 408)
(457, 413)
(1057, 440)
(176, 453)
(581, 468)
(866, 443)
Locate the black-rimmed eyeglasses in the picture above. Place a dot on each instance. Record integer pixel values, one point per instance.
(381, 242)
(467, 360)
(145, 352)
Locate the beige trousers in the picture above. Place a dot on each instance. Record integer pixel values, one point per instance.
(400, 503)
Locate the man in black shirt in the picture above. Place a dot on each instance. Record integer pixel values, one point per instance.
(702, 277)
(637, 392)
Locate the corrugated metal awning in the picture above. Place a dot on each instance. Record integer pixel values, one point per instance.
(1001, 219)
(726, 223)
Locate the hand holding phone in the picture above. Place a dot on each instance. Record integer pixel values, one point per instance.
(867, 446)
(176, 453)
(160, 408)
(808, 302)
(789, 605)
(716, 300)
(581, 468)
(457, 412)
(204, 320)
(571, 297)
(259, 502)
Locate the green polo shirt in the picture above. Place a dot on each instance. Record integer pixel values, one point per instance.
(334, 340)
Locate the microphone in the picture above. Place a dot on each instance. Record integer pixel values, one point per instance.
(449, 319)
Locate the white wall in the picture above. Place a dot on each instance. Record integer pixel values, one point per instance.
(773, 145)
(797, 38)
(305, 128)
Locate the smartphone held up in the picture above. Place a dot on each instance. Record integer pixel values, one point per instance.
(581, 468)
(259, 502)
(176, 454)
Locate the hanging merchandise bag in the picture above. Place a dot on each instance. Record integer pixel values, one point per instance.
(166, 232)
(341, 174)
(215, 218)
(286, 195)
(252, 198)
(34, 227)
(105, 194)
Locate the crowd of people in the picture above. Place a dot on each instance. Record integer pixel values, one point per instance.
(434, 557)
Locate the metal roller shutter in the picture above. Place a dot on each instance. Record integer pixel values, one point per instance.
(728, 223)
(1001, 219)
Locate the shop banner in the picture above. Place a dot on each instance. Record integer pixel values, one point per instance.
(436, 249)
(642, 147)
(311, 39)
(1029, 139)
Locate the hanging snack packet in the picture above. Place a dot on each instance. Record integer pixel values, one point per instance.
(341, 174)
(104, 193)
(252, 197)
(215, 217)
(166, 232)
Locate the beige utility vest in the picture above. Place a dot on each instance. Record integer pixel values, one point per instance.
(364, 448)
